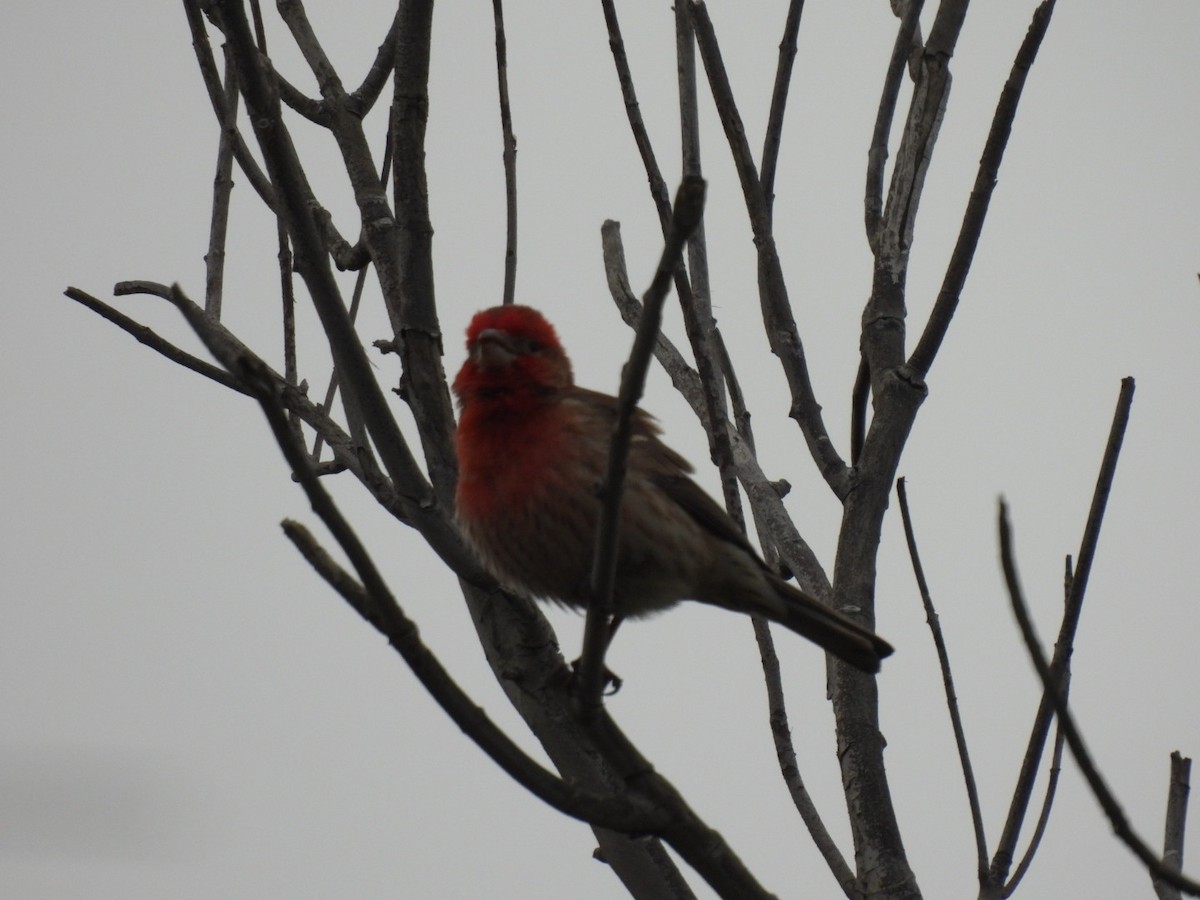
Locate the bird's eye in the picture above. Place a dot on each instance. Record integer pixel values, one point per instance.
(532, 346)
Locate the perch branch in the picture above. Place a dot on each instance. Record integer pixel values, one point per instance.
(378, 606)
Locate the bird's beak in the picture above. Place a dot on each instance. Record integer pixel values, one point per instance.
(493, 349)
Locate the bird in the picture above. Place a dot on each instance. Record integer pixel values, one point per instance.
(532, 448)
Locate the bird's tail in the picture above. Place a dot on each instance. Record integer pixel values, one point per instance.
(836, 633)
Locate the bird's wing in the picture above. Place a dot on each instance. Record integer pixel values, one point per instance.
(668, 470)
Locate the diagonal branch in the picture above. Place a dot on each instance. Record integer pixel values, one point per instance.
(1023, 790)
(658, 184)
(216, 95)
(349, 454)
(779, 95)
(364, 96)
(688, 209)
(1100, 790)
(146, 335)
(1039, 829)
(778, 320)
(981, 195)
(378, 606)
(960, 736)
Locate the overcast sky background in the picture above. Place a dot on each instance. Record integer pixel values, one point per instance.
(188, 711)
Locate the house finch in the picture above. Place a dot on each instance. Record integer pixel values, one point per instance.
(532, 448)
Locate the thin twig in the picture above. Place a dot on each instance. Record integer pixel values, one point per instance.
(214, 259)
(939, 642)
(778, 319)
(216, 95)
(1039, 829)
(985, 182)
(145, 335)
(688, 208)
(353, 417)
(683, 377)
(658, 185)
(785, 754)
(779, 94)
(1079, 751)
(364, 96)
(510, 157)
(878, 153)
(777, 715)
(1039, 732)
(1176, 822)
(223, 344)
(695, 293)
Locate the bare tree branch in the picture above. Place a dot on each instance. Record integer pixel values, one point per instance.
(378, 606)
(695, 293)
(364, 96)
(1039, 829)
(216, 94)
(313, 265)
(939, 642)
(1022, 791)
(688, 208)
(779, 94)
(214, 259)
(778, 321)
(348, 453)
(145, 335)
(985, 182)
(1176, 823)
(658, 185)
(403, 250)
(1112, 809)
(878, 153)
(510, 156)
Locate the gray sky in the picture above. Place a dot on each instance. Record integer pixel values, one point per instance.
(189, 712)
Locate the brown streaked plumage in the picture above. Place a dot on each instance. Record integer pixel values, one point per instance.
(532, 447)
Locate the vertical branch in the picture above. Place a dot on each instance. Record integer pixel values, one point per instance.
(1064, 645)
(695, 295)
(981, 195)
(418, 333)
(1176, 823)
(214, 259)
(779, 94)
(688, 208)
(778, 319)
(658, 185)
(510, 156)
(960, 736)
(353, 418)
(878, 153)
